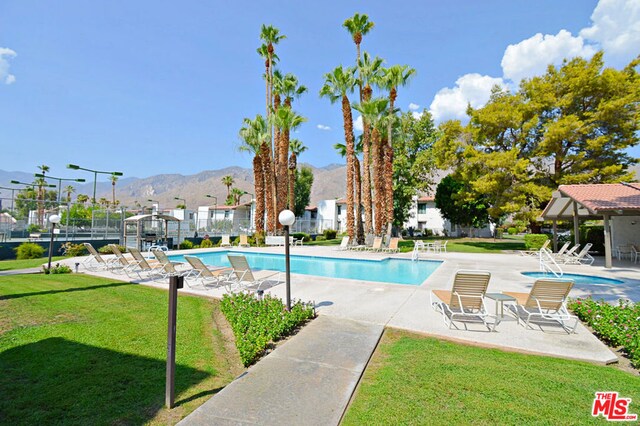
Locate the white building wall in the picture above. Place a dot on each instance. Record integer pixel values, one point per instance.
(327, 214)
(625, 230)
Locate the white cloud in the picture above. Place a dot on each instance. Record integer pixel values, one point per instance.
(417, 114)
(5, 55)
(616, 27)
(473, 89)
(357, 124)
(323, 127)
(531, 57)
(413, 107)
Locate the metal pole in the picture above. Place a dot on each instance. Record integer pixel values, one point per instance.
(59, 189)
(95, 179)
(175, 283)
(53, 227)
(287, 266)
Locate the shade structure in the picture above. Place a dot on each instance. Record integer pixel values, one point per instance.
(141, 219)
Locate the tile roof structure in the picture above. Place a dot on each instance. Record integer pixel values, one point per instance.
(604, 197)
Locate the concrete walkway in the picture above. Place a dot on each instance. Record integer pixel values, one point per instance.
(308, 380)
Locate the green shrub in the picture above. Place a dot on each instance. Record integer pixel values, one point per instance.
(259, 238)
(535, 241)
(512, 231)
(107, 250)
(257, 323)
(206, 243)
(616, 325)
(33, 228)
(186, 245)
(321, 238)
(301, 236)
(330, 234)
(73, 250)
(593, 235)
(29, 251)
(57, 269)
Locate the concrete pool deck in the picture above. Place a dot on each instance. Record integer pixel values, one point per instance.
(408, 307)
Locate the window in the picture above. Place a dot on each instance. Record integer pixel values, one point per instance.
(339, 210)
(422, 208)
(226, 214)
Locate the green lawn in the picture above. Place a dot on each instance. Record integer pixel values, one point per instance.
(472, 245)
(418, 380)
(83, 350)
(6, 265)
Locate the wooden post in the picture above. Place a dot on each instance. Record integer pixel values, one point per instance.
(576, 223)
(555, 236)
(607, 242)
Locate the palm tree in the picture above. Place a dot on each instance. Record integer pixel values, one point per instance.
(337, 84)
(394, 77)
(342, 151)
(374, 111)
(370, 72)
(69, 190)
(271, 36)
(253, 134)
(358, 26)
(284, 119)
(113, 179)
(296, 148)
(82, 198)
(236, 193)
(228, 181)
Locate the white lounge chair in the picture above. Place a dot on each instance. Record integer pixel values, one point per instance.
(465, 301)
(376, 246)
(392, 247)
(242, 277)
(545, 302)
(562, 250)
(95, 261)
(581, 258)
(344, 244)
(149, 266)
(225, 242)
(206, 274)
(535, 252)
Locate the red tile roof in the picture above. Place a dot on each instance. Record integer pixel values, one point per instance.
(605, 196)
(426, 198)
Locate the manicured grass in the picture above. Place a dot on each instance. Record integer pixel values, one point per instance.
(472, 245)
(334, 242)
(6, 265)
(417, 380)
(76, 349)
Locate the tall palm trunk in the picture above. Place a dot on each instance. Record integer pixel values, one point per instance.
(269, 178)
(258, 176)
(366, 169)
(378, 186)
(358, 193)
(40, 206)
(293, 165)
(113, 193)
(388, 186)
(282, 173)
(348, 137)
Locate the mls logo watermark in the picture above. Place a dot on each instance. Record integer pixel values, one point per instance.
(612, 407)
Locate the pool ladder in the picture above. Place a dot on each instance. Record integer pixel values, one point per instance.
(548, 263)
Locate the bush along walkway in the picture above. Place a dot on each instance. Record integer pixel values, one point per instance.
(308, 380)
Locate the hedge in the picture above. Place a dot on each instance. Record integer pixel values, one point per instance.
(535, 241)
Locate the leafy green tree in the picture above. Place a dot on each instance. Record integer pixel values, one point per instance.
(304, 181)
(456, 209)
(571, 125)
(28, 199)
(413, 161)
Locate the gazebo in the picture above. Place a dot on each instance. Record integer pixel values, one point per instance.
(149, 228)
(611, 202)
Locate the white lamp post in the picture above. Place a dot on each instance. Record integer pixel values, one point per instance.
(54, 219)
(287, 218)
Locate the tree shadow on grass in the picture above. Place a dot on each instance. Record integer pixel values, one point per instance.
(57, 381)
(493, 246)
(65, 290)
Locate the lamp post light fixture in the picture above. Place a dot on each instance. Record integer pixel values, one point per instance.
(15, 182)
(95, 176)
(54, 219)
(286, 219)
(42, 175)
(154, 202)
(184, 202)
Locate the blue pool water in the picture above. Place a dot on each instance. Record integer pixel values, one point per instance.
(394, 271)
(577, 278)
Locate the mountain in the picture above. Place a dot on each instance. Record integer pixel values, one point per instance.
(328, 183)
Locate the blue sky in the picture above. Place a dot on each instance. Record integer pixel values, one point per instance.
(149, 87)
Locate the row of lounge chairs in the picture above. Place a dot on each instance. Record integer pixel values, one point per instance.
(375, 245)
(566, 255)
(465, 302)
(235, 278)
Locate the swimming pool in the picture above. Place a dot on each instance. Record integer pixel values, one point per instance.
(577, 278)
(391, 271)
